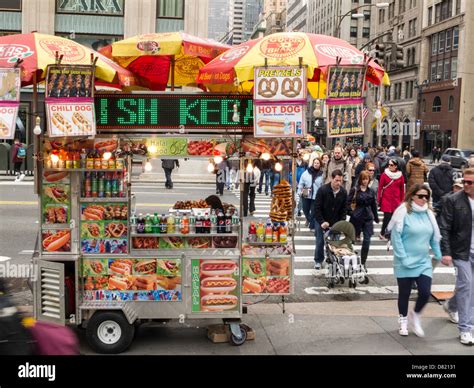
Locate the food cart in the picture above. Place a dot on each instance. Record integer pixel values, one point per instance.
(104, 267)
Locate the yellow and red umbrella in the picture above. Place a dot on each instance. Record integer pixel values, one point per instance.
(39, 50)
(159, 59)
(234, 69)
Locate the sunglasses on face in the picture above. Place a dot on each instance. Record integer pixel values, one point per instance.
(391, 165)
(466, 182)
(371, 170)
(423, 196)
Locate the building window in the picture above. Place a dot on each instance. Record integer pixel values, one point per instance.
(170, 9)
(413, 55)
(449, 37)
(401, 6)
(366, 32)
(451, 104)
(434, 44)
(366, 15)
(458, 7)
(398, 91)
(423, 105)
(437, 13)
(381, 16)
(409, 89)
(454, 68)
(455, 38)
(433, 72)
(442, 39)
(430, 16)
(447, 62)
(439, 72)
(353, 32)
(412, 28)
(387, 90)
(10, 5)
(391, 10)
(436, 104)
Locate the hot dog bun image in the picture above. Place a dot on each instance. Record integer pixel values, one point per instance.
(54, 176)
(218, 302)
(120, 268)
(271, 126)
(145, 267)
(218, 267)
(145, 283)
(252, 286)
(56, 241)
(118, 283)
(278, 267)
(218, 285)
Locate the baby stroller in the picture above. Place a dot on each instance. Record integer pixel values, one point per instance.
(342, 261)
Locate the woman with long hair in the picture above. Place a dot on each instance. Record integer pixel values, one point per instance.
(308, 186)
(363, 211)
(390, 193)
(373, 182)
(414, 231)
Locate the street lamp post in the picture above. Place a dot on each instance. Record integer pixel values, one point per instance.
(420, 88)
(355, 15)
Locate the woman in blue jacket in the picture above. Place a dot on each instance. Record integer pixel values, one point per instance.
(413, 231)
(309, 184)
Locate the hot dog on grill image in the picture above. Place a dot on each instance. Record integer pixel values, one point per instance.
(271, 126)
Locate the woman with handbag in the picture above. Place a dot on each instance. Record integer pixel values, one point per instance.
(309, 184)
(391, 193)
(363, 211)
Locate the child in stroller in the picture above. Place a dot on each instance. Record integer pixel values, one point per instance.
(342, 261)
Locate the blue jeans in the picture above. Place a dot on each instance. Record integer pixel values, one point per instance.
(319, 234)
(265, 175)
(464, 297)
(307, 210)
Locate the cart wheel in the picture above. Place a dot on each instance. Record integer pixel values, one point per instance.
(243, 337)
(341, 280)
(350, 283)
(330, 283)
(108, 332)
(366, 280)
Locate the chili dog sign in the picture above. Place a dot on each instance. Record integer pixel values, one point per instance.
(279, 120)
(70, 119)
(285, 83)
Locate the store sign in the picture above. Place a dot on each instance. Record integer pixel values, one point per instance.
(167, 146)
(281, 83)
(96, 7)
(345, 82)
(280, 120)
(345, 118)
(188, 112)
(70, 119)
(9, 102)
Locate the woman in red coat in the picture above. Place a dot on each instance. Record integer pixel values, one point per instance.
(391, 193)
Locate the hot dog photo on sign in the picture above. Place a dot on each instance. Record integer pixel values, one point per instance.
(71, 119)
(279, 120)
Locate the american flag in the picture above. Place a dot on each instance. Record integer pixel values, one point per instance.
(365, 112)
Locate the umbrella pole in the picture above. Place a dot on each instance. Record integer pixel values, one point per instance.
(172, 72)
(36, 138)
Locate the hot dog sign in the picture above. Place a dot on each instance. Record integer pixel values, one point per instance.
(279, 120)
(280, 84)
(70, 119)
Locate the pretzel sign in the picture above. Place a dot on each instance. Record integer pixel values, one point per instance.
(291, 87)
(268, 88)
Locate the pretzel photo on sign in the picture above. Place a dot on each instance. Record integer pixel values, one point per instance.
(291, 87)
(81, 122)
(61, 123)
(268, 88)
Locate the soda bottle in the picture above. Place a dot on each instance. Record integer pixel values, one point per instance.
(88, 185)
(89, 160)
(185, 225)
(276, 233)
(121, 191)
(235, 222)
(213, 222)
(283, 232)
(192, 224)
(156, 223)
(252, 232)
(108, 185)
(207, 224)
(170, 222)
(177, 223)
(101, 188)
(97, 160)
(84, 158)
(69, 162)
(133, 223)
(268, 233)
(199, 224)
(94, 184)
(148, 224)
(220, 222)
(114, 185)
(260, 232)
(76, 160)
(163, 224)
(140, 224)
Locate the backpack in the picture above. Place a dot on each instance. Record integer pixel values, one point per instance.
(21, 153)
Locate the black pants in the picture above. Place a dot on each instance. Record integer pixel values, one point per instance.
(308, 210)
(386, 219)
(220, 181)
(423, 283)
(17, 168)
(249, 196)
(169, 182)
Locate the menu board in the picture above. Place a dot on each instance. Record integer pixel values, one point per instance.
(345, 118)
(346, 82)
(266, 276)
(186, 242)
(215, 285)
(104, 228)
(9, 101)
(148, 279)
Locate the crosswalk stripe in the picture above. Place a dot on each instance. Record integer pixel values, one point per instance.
(369, 290)
(310, 259)
(372, 247)
(371, 271)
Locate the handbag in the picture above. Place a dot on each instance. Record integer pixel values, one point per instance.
(354, 201)
(306, 192)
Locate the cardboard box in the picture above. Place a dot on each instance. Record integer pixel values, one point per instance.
(221, 333)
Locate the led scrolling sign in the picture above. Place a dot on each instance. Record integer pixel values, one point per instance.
(197, 113)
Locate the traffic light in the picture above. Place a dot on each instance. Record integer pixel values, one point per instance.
(380, 54)
(397, 56)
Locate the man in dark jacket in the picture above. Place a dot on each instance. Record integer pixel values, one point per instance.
(168, 166)
(441, 180)
(329, 208)
(457, 246)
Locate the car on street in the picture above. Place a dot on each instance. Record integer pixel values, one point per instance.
(459, 158)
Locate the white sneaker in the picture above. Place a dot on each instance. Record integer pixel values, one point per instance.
(22, 176)
(414, 320)
(403, 325)
(466, 338)
(453, 315)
